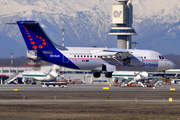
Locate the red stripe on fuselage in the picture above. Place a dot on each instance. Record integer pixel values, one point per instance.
(115, 59)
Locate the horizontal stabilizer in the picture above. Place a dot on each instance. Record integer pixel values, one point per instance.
(11, 23)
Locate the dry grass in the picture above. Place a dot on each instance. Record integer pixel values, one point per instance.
(90, 111)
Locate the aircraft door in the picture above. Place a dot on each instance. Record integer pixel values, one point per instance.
(152, 56)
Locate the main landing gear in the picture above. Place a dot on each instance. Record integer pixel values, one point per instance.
(98, 74)
(108, 74)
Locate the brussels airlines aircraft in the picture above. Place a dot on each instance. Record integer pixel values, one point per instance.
(94, 59)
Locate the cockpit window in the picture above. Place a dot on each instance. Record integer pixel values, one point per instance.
(161, 57)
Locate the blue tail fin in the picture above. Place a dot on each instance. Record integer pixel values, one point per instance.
(34, 36)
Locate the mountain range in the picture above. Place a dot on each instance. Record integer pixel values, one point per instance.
(87, 23)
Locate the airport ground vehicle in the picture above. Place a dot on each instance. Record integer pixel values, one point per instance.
(54, 84)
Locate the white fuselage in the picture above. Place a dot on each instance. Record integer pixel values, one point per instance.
(130, 75)
(39, 75)
(94, 58)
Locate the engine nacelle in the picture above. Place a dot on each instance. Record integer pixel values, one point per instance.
(135, 61)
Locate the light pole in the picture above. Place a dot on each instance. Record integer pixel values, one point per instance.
(11, 63)
(135, 44)
(63, 46)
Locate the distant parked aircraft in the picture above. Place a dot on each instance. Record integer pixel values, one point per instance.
(41, 75)
(125, 75)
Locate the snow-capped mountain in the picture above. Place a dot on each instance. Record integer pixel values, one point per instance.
(157, 24)
(87, 23)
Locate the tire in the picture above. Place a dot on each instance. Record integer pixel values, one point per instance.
(108, 74)
(97, 74)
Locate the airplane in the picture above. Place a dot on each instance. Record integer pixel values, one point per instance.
(40, 75)
(133, 75)
(88, 58)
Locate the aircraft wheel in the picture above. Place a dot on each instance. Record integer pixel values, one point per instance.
(164, 75)
(108, 74)
(97, 74)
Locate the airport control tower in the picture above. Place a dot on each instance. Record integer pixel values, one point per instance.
(122, 17)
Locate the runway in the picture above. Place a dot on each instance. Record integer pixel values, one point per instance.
(85, 88)
(87, 93)
(84, 101)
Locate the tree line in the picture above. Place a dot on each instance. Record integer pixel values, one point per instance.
(17, 62)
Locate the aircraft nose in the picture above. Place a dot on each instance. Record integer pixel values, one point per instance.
(173, 66)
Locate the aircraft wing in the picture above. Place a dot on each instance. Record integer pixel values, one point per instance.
(115, 52)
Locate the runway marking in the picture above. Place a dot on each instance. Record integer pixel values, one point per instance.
(15, 89)
(172, 89)
(105, 88)
(170, 99)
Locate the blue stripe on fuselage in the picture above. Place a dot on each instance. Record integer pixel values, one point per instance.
(57, 58)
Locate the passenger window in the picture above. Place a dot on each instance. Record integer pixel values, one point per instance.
(94, 56)
(78, 56)
(144, 57)
(74, 55)
(81, 56)
(84, 56)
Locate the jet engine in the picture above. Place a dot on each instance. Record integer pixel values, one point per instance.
(135, 61)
